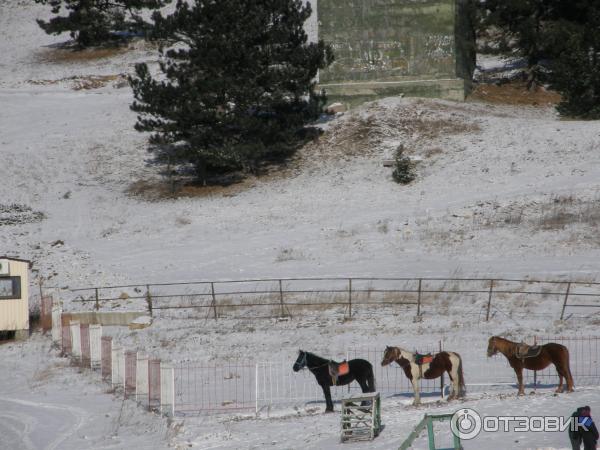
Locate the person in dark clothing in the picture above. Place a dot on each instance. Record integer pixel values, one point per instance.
(586, 432)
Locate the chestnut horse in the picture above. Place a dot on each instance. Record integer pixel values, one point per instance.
(550, 353)
(441, 362)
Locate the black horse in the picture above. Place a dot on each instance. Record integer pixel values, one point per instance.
(359, 370)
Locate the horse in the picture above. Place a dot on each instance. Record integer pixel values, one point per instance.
(545, 355)
(327, 373)
(428, 368)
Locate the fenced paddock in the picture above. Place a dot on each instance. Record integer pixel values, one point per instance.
(199, 388)
(203, 388)
(483, 297)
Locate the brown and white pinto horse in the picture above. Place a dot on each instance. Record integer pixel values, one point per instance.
(550, 353)
(442, 362)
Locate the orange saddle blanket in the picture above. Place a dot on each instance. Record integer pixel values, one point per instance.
(337, 370)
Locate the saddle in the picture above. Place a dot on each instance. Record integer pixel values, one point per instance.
(423, 359)
(527, 351)
(337, 370)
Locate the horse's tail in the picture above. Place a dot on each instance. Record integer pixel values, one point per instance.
(461, 378)
(568, 364)
(371, 380)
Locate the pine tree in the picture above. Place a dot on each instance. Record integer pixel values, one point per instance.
(576, 69)
(236, 85)
(404, 168)
(92, 22)
(521, 28)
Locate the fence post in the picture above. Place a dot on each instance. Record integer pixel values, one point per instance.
(535, 371)
(97, 299)
(489, 305)
(167, 390)
(256, 387)
(419, 298)
(95, 346)
(442, 377)
(349, 297)
(46, 312)
(214, 299)
(56, 324)
(149, 299)
(141, 378)
(75, 341)
(153, 384)
(84, 335)
(281, 297)
(562, 313)
(116, 364)
(130, 377)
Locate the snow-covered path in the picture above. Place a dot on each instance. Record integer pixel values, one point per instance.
(47, 405)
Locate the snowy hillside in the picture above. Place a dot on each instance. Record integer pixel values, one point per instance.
(502, 190)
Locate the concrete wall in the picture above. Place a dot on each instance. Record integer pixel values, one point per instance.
(387, 47)
(14, 314)
(104, 318)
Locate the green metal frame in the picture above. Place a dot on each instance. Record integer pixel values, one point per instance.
(427, 422)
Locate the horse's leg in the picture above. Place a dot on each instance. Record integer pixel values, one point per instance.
(569, 377)
(455, 387)
(559, 370)
(364, 386)
(328, 402)
(452, 371)
(519, 372)
(566, 371)
(415, 383)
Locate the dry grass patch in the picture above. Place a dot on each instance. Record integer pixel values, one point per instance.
(67, 55)
(514, 93)
(159, 190)
(362, 132)
(79, 82)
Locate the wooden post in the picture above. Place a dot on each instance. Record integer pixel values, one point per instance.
(281, 297)
(214, 299)
(149, 299)
(97, 299)
(349, 297)
(419, 298)
(489, 305)
(562, 313)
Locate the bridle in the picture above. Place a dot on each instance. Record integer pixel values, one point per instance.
(304, 363)
(395, 356)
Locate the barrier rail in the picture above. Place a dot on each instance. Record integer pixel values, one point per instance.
(296, 296)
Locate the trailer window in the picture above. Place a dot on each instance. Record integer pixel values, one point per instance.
(10, 288)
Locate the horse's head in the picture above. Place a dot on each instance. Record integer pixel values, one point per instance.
(492, 349)
(300, 361)
(389, 355)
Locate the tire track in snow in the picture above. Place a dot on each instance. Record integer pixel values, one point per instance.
(79, 415)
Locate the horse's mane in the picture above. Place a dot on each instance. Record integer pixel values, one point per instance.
(316, 356)
(402, 350)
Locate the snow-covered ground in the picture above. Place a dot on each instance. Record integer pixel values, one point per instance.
(501, 191)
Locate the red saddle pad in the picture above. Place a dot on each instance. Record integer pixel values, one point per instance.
(427, 359)
(343, 369)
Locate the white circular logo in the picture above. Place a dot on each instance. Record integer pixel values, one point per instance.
(465, 423)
